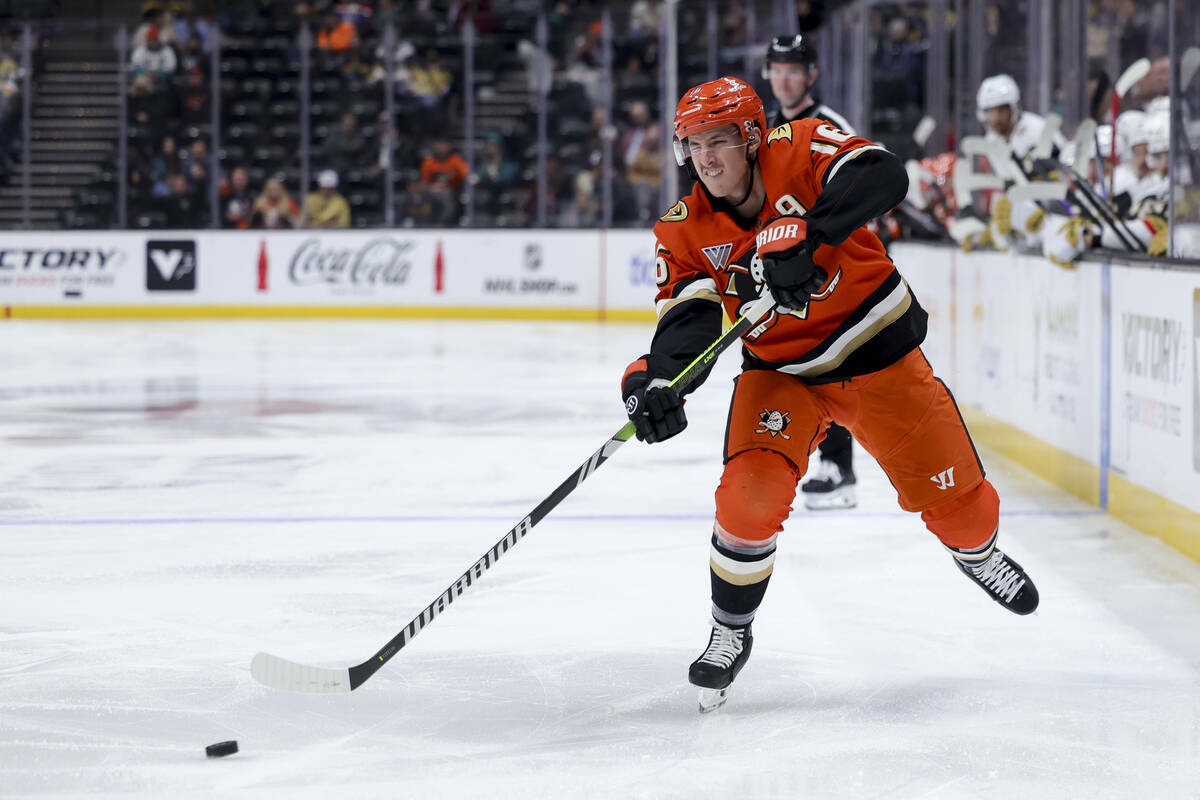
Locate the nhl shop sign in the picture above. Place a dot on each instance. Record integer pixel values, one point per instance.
(381, 262)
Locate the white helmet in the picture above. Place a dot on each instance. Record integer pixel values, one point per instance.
(1158, 132)
(998, 90)
(1130, 131)
(1161, 103)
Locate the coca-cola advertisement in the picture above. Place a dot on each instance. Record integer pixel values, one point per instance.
(379, 264)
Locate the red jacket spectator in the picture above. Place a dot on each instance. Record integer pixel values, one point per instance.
(444, 164)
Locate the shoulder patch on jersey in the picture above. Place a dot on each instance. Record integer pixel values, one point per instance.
(677, 213)
(784, 131)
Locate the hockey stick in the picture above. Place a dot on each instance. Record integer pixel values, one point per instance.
(1127, 80)
(1039, 192)
(1096, 208)
(279, 673)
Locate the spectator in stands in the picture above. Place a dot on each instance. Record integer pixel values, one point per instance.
(165, 164)
(147, 107)
(194, 99)
(153, 58)
(539, 66)
(494, 173)
(239, 203)
(357, 14)
(274, 208)
(733, 24)
(153, 19)
(585, 65)
(192, 57)
(346, 148)
(326, 208)
(444, 165)
(10, 96)
(385, 15)
(429, 82)
(420, 207)
(336, 35)
(195, 165)
(355, 71)
(810, 14)
(10, 87)
(184, 208)
(188, 25)
(640, 150)
(899, 69)
(481, 10)
(643, 18)
(584, 210)
(401, 78)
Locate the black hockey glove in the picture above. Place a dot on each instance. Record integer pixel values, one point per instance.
(654, 407)
(788, 268)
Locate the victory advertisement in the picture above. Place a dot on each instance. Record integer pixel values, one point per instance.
(69, 267)
(1154, 395)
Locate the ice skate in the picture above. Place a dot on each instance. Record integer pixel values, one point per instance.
(714, 671)
(1004, 581)
(830, 489)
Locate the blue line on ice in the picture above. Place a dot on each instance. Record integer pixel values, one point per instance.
(1088, 512)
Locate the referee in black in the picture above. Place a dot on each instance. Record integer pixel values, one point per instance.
(791, 67)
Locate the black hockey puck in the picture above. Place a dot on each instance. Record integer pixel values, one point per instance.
(221, 749)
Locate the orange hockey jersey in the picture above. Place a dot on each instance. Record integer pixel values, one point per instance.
(862, 320)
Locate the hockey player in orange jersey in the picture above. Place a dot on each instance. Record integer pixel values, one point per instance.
(783, 210)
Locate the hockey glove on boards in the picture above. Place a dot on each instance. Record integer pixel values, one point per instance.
(655, 409)
(788, 268)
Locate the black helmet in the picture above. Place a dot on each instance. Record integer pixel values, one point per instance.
(796, 49)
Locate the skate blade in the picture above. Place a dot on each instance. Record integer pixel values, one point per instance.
(712, 699)
(826, 501)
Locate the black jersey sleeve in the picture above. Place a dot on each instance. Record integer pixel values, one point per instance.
(856, 191)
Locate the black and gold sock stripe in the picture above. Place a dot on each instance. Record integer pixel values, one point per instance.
(739, 580)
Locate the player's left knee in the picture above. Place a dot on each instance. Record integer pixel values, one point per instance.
(968, 520)
(755, 497)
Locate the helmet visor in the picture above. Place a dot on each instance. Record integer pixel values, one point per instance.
(698, 145)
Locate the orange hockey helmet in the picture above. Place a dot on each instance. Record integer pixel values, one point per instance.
(720, 102)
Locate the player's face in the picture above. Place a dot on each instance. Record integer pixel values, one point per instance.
(789, 83)
(999, 119)
(1140, 162)
(719, 156)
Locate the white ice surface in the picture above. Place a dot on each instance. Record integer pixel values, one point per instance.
(175, 497)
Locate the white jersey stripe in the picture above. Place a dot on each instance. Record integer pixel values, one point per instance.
(853, 154)
(887, 311)
(696, 287)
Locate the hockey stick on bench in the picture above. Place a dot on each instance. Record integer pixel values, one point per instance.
(279, 673)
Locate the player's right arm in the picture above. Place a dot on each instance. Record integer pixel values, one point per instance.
(688, 305)
(689, 319)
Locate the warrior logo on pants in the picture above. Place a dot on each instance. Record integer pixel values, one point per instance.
(944, 479)
(774, 423)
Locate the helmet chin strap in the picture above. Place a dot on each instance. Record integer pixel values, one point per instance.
(750, 159)
(749, 186)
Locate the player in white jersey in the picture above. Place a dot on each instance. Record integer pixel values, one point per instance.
(1131, 151)
(791, 67)
(998, 107)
